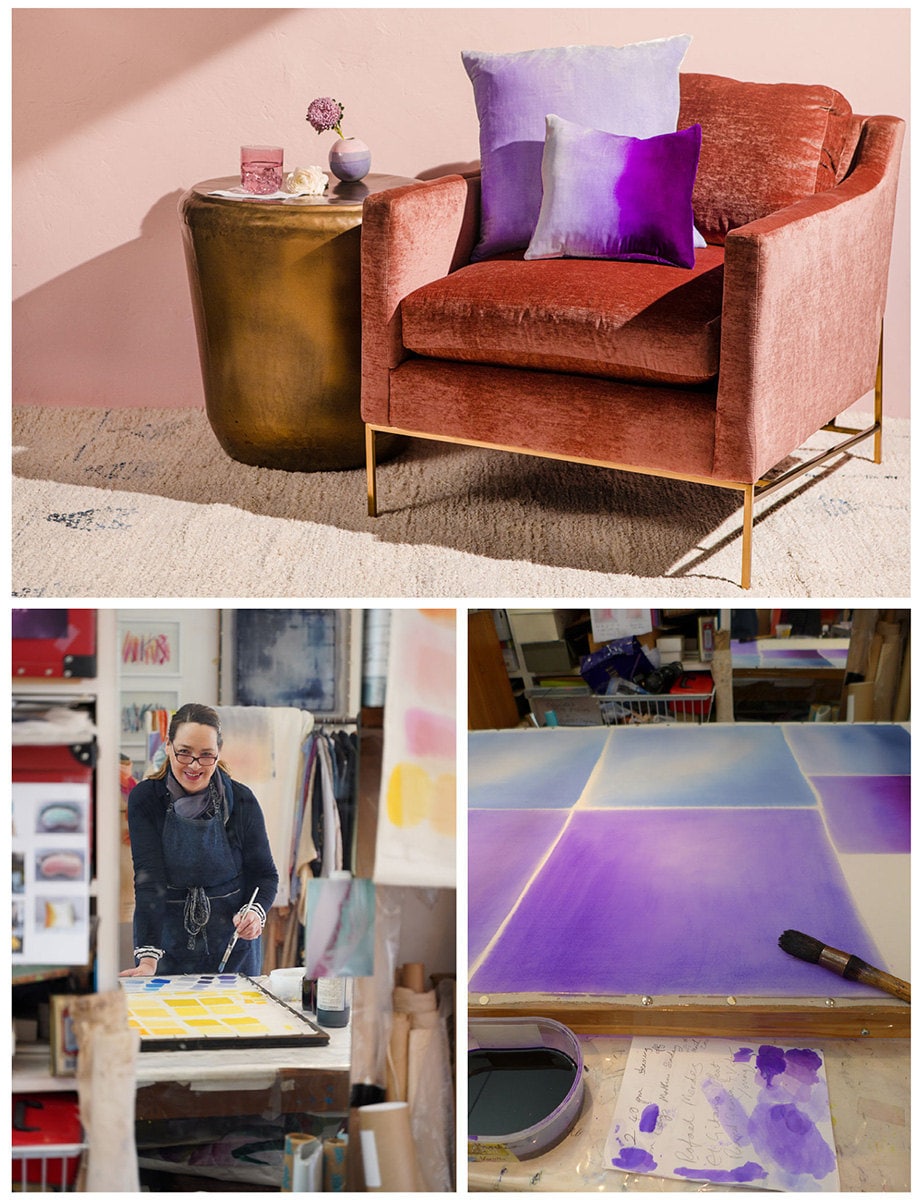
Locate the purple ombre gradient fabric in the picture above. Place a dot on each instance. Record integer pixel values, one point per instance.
(632, 90)
(609, 196)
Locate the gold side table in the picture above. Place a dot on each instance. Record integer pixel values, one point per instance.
(276, 298)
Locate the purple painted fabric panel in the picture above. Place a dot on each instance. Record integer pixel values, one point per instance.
(503, 850)
(536, 768)
(716, 765)
(686, 901)
(823, 749)
(867, 814)
(607, 196)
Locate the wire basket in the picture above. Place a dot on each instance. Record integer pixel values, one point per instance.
(45, 1168)
(629, 708)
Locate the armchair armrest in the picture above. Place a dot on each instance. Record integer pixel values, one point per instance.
(804, 297)
(411, 236)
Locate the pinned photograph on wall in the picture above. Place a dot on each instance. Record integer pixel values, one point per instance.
(725, 1112)
(339, 933)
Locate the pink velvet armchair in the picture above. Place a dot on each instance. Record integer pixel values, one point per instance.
(714, 374)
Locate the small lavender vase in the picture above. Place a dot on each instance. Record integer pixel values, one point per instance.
(350, 159)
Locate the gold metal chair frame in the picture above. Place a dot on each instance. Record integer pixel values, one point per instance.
(751, 491)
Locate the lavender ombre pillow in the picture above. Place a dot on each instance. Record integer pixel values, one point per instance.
(632, 90)
(608, 196)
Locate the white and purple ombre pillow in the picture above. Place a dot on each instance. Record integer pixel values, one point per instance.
(631, 90)
(608, 196)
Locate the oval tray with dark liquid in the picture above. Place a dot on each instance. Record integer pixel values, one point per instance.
(512, 1090)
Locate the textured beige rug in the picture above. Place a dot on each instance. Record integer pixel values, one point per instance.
(144, 502)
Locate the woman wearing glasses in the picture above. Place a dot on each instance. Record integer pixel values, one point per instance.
(199, 847)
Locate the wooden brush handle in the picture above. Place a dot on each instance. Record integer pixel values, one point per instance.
(863, 973)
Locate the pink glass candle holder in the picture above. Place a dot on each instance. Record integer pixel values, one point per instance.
(261, 169)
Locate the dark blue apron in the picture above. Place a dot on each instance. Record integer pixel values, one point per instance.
(198, 854)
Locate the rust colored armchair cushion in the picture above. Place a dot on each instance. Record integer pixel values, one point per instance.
(646, 322)
(764, 146)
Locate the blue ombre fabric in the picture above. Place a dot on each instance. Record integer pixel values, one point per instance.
(608, 196)
(631, 90)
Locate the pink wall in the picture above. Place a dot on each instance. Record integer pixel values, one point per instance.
(117, 111)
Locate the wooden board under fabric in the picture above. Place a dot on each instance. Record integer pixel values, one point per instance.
(636, 880)
(671, 1016)
(213, 1012)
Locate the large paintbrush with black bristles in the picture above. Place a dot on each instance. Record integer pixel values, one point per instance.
(850, 966)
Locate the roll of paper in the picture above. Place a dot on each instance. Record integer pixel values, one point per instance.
(294, 1144)
(397, 1056)
(308, 1167)
(388, 1154)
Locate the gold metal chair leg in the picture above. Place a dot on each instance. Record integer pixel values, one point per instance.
(370, 470)
(747, 554)
(879, 391)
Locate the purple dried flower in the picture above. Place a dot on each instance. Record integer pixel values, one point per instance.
(326, 113)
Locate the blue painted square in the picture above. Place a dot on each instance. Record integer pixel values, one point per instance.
(823, 749)
(535, 768)
(682, 766)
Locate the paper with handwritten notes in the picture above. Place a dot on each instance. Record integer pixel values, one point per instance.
(725, 1112)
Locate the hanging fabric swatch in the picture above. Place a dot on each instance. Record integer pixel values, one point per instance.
(416, 818)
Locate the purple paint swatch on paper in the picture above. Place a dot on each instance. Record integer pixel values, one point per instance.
(828, 749)
(748, 1173)
(648, 1121)
(729, 1118)
(867, 814)
(632, 1158)
(713, 765)
(503, 850)
(687, 901)
(539, 768)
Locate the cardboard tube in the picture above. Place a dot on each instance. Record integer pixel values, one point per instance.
(902, 700)
(886, 680)
(388, 1154)
(335, 1164)
(860, 702)
(412, 977)
(397, 1057)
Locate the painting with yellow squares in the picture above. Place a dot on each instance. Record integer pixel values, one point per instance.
(213, 1012)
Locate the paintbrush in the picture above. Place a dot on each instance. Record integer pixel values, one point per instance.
(233, 942)
(800, 945)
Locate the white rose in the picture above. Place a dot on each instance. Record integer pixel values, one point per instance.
(306, 181)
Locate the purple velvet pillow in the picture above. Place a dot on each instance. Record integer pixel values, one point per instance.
(632, 90)
(608, 196)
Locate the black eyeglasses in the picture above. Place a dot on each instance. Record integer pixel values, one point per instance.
(206, 760)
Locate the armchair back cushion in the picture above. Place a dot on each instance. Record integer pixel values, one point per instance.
(764, 146)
